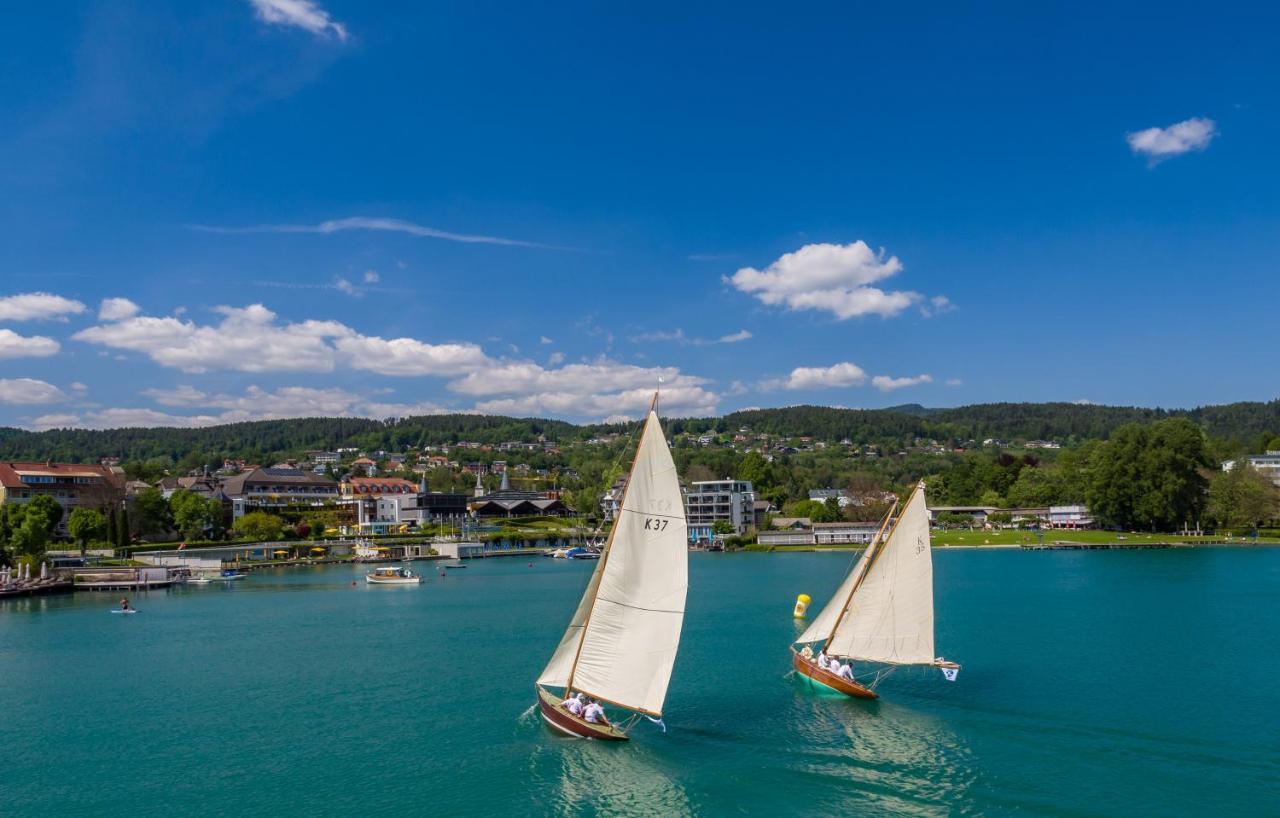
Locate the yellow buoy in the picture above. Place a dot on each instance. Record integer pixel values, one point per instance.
(802, 605)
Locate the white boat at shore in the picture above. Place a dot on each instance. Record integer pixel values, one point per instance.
(392, 576)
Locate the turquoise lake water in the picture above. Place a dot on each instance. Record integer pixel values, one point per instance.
(1094, 683)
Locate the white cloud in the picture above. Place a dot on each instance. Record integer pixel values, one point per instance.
(13, 345)
(38, 307)
(679, 337)
(1158, 144)
(597, 389)
(371, 277)
(29, 391)
(380, 224)
(255, 404)
(816, 377)
(76, 386)
(343, 286)
(408, 357)
(682, 400)
(116, 309)
(303, 14)
(250, 339)
(1084, 402)
(937, 306)
(830, 277)
(542, 339)
(254, 339)
(887, 384)
(954, 382)
(63, 421)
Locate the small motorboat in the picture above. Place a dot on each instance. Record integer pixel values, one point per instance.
(583, 554)
(230, 575)
(455, 566)
(198, 580)
(392, 576)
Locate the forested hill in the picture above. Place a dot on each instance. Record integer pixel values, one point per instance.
(1243, 424)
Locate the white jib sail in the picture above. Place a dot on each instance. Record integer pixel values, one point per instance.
(825, 622)
(631, 635)
(557, 671)
(890, 618)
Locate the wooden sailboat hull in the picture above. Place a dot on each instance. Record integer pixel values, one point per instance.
(562, 721)
(812, 672)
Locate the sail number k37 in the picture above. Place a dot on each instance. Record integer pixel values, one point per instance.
(655, 524)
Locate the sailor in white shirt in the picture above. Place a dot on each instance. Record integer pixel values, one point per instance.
(835, 666)
(846, 671)
(594, 713)
(573, 704)
(823, 661)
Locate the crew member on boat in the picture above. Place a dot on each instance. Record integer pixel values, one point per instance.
(594, 713)
(823, 661)
(573, 704)
(124, 604)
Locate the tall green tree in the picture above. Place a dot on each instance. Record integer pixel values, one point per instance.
(151, 512)
(123, 537)
(86, 524)
(1242, 498)
(50, 508)
(195, 515)
(260, 526)
(1149, 477)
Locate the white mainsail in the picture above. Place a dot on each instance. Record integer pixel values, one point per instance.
(890, 615)
(621, 644)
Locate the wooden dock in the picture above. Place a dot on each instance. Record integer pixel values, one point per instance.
(36, 587)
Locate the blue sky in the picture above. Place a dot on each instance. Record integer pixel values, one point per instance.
(266, 208)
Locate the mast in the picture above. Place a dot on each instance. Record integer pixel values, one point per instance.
(877, 544)
(608, 547)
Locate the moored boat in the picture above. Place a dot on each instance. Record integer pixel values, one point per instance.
(882, 614)
(394, 575)
(620, 646)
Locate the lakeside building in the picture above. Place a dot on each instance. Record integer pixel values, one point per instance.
(277, 490)
(516, 503)
(1265, 464)
(856, 533)
(611, 501)
(376, 505)
(73, 485)
(839, 495)
(1076, 516)
(708, 501)
(1068, 517)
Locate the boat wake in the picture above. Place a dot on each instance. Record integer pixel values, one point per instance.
(527, 714)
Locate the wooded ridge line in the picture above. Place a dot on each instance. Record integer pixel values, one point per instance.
(1243, 423)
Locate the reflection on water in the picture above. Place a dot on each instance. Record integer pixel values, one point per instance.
(594, 777)
(887, 755)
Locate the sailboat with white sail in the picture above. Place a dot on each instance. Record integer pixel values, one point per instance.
(620, 646)
(882, 614)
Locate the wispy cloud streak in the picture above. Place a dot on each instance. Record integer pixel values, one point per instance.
(377, 224)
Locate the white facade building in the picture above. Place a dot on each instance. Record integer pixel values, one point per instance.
(712, 500)
(1265, 464)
